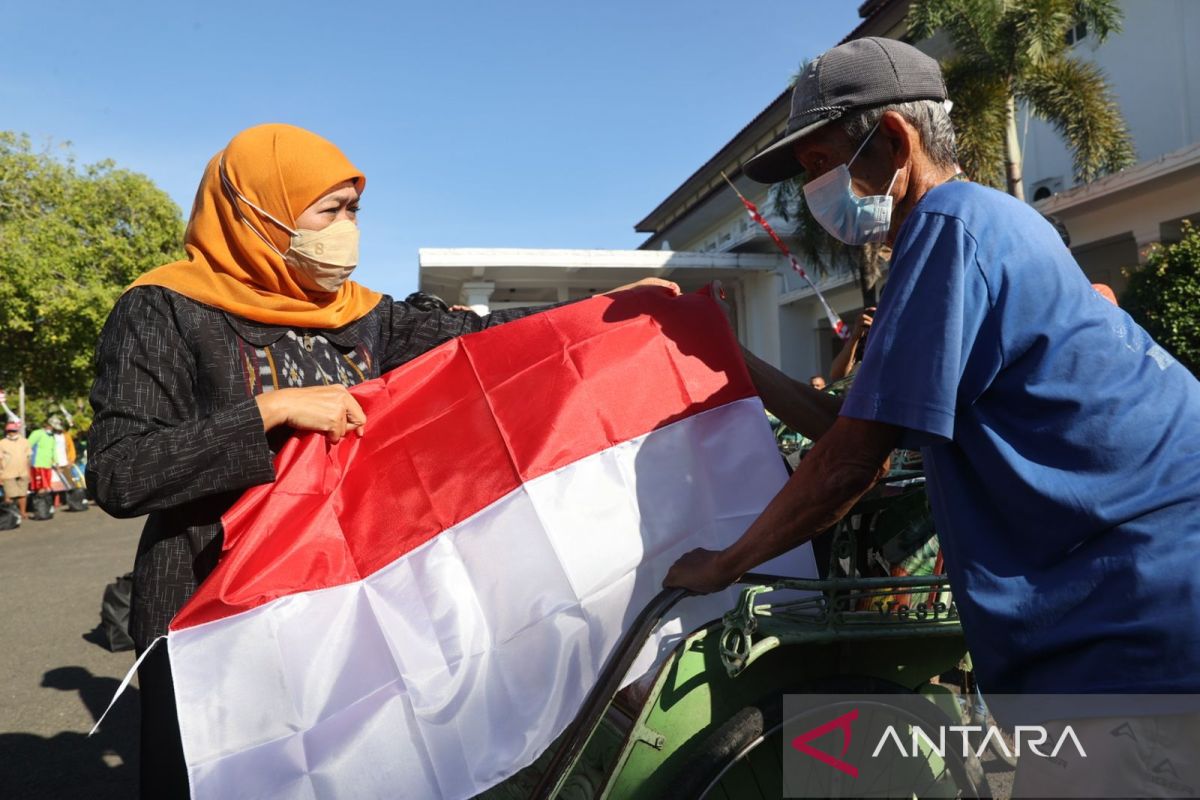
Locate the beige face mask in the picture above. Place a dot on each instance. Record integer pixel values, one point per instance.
(322, 260)
(325, 257)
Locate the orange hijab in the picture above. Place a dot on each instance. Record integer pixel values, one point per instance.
(283, 170)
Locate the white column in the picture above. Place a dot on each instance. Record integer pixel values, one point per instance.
(477, 295)
(761, 319)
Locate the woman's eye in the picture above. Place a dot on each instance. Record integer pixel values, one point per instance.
(353, 209)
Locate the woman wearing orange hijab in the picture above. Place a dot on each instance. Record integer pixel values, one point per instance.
(205, 364)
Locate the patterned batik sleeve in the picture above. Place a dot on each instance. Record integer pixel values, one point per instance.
(149, 448)
(409, 332)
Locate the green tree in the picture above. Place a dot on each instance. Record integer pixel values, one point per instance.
(1164, 297)
(1015, 51)
(71, 239)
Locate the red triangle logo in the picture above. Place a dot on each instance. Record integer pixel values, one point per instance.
(841, 723)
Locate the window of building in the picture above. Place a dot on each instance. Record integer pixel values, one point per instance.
(1077, 33)
(1046, 187)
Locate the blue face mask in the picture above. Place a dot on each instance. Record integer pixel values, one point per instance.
(848, 217)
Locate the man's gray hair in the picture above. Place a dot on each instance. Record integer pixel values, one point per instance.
(929, 117)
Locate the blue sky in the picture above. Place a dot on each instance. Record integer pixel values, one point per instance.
(527, 124)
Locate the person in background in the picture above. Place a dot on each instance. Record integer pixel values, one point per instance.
(431, 302)
(15, 454)
(851, 352)
(41, 443)
(1105, 291)
(817, 382)
(64, 453)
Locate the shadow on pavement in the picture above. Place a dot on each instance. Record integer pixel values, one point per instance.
(70, 764)
(99, 637)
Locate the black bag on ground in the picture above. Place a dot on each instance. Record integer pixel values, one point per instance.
(75, 495)
(41, 505)
(114, 613)
(76, 500)
(9, 517)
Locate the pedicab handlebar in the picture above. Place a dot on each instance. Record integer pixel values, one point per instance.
(606, 686)
(608, 683)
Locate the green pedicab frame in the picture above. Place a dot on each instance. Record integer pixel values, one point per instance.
(855, 630)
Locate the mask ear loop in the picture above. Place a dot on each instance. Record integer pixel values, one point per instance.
(235, 195)
(896, 174)
(863, 144)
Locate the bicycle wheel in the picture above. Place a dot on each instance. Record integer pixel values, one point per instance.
(743, 759)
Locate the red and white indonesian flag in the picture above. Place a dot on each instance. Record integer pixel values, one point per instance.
(419, 612)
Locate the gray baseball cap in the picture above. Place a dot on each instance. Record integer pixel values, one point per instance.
(858, 74)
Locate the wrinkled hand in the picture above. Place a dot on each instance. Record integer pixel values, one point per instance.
(671, 286)
(330, 410)
(700, 571)
(864, 324)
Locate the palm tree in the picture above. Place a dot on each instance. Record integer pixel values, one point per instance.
(1016, 51)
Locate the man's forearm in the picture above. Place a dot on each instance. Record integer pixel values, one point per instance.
(843, 465)
(817, 495)
(842, 362)
(801, 407)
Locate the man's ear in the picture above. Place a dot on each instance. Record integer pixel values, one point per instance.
(900, 136)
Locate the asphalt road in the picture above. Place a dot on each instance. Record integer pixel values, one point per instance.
(55, 681)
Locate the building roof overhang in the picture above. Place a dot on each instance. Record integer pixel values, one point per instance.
(880, 17)
(1079, 198)
(514, 268)
(544, 258)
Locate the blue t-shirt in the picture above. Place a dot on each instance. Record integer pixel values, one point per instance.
(1061, 446)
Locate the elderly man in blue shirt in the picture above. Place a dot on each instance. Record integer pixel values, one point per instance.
(1061, 443)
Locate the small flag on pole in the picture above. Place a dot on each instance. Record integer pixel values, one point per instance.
(839, 327)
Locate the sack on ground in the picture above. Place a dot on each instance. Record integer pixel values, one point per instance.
(114, 613)
(9, 517)
(76, 500)
(41, 505)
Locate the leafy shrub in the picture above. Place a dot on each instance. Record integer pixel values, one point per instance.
(1164, 297)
